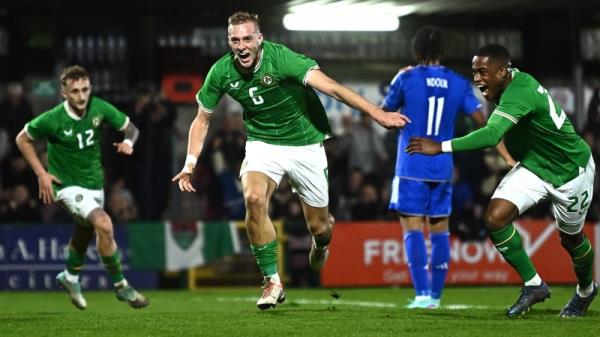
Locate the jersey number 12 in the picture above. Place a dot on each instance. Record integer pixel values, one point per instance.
(89, 140)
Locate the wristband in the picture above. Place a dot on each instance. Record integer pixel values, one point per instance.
(128, 142)
(189, 160)
(447, 146)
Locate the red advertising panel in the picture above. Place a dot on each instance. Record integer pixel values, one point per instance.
(181, 88)
(372, 253)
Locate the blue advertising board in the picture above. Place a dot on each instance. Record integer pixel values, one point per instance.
(31, 256)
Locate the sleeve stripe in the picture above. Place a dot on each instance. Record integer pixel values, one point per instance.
(125, 124)
(203, 107)
(27, 132)
(316, 67)
(507, 116)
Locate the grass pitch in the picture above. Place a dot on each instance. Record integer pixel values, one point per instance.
(307, 312)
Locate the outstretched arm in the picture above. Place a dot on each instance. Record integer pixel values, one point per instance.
(478, 118)
(196, 137)
(318, 80)
(488, 136)
(130, 136)
(45, 179)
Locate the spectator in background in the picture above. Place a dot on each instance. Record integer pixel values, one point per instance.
(296, 245)
(350, 195)
(593, 113)
(15, 111)
(365, 148)
(463, 200)
(121, 205)
(282, 198)
(225, 155)
(368, 206)
(337, 154)
(17, 205)
(155, 117)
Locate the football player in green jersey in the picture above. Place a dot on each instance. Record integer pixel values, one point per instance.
(75, 177)
(554, 163)
(286, 125)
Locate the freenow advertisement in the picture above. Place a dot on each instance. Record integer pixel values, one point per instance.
(372, 254)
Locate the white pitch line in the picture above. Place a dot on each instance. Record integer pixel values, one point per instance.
(350, 303)
(463, 306)
(311, 301)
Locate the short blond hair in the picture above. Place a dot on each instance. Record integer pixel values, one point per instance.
(243, 17)
(73, 73)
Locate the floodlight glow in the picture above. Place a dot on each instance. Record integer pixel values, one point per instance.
(340, 21)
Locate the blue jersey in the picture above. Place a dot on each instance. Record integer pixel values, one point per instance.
(431, 96)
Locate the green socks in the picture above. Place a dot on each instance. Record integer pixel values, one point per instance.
(508, 242)
(74, 261)
(583, 262)
(266, 257)
(113, 267)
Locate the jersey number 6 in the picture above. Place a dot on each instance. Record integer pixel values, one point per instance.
(256, 99)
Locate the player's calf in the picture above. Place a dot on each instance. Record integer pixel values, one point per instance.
(319, 250)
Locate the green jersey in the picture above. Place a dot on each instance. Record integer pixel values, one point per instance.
(536, 132)
(278, 107)
(74, 142)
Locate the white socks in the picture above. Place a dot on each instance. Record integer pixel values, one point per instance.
(71, 278)
(274, 278)
(535, 281)
(585, 292)
(121, 284)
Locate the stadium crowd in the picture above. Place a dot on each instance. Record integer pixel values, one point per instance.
(361, 164)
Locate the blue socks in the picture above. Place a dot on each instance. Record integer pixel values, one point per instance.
(416, 252)
(440, 258)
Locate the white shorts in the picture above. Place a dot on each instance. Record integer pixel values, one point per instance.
(305, 167)
(80, 202)
(570, 201)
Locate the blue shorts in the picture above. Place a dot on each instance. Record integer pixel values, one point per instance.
(421, 198)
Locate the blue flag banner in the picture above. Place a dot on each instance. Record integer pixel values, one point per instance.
(31, 256)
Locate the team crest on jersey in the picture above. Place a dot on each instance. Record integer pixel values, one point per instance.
(267, 80)
(78, 197)
(96, 121)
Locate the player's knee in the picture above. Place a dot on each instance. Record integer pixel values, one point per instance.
(255, 202)
(321, 225)
(571, 241)
(494, 220)
(102, 224)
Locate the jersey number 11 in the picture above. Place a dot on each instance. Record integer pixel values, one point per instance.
(437, 115)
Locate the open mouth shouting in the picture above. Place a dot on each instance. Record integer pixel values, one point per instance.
(245, 58)
(484, 90)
